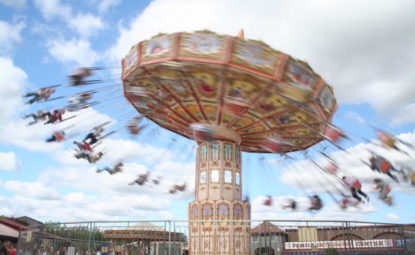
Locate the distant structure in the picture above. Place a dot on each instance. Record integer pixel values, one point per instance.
(147, 238)
(266, 238)
(387, 239)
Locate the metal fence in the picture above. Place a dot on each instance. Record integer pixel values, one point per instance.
(271, 237)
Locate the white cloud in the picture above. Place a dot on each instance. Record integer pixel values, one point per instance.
(392, 216)
(10, 35)
(12, 82)
(76, 51)
(98, 196)
(128, 150)
(85, 24)
(355, 118)
(367, 59)
(104, 5)
(85, 178)
(8, 161)
(14, 3)
(64, 209)
(404, 115)
(6, 212)
(53, 8)
(32, 189)
(165, 215)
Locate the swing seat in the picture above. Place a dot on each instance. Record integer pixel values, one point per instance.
(86, 146)
(59, 136)
(207, 132)
(331, 168)
(387, 140)
(390, 144)
(385, 166)
(316, 208)
(203, 133)
(412, 177)
(388, 200)
(333, 134)
(275, 145)
(134, 130)
(357, 185)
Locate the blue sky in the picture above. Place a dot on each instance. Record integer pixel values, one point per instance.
(364, 49)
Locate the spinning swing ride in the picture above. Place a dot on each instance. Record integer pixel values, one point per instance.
(230, 95)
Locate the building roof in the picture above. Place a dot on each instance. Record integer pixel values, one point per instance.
(266, 227)
(8, 231)
(13, 224)
(146, 226)
(28, 221)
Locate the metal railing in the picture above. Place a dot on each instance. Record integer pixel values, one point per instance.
(270, 237)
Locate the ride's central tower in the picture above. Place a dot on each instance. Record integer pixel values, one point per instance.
(217, 214)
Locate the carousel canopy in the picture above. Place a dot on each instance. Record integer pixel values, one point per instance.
(230, 89)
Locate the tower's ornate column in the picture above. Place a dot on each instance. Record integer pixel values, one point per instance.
(219, 200)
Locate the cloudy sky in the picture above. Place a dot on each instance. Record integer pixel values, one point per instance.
(365, 49)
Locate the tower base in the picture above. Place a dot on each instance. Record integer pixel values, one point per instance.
(219, 219)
